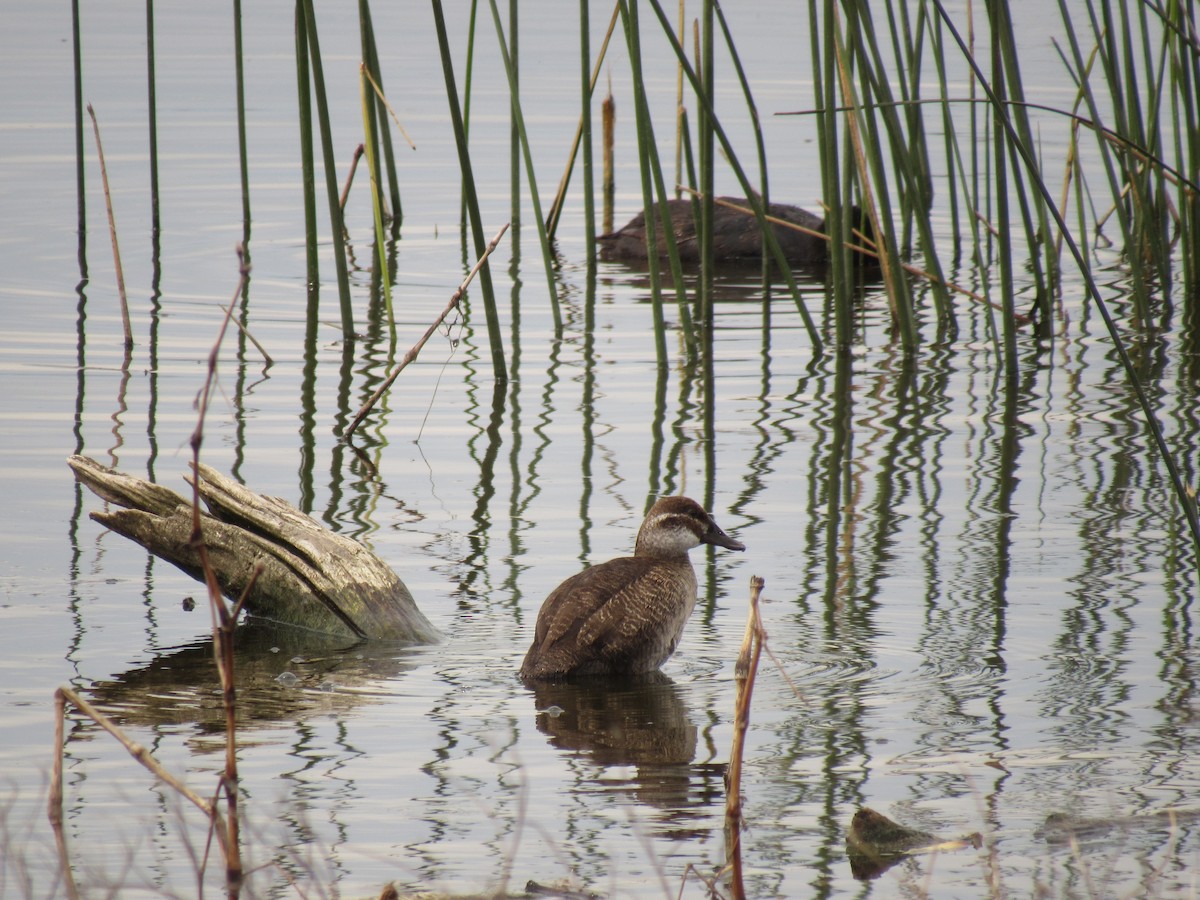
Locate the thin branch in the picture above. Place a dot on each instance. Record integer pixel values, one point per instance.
(416, 348)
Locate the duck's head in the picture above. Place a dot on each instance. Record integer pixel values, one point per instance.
(675, 525)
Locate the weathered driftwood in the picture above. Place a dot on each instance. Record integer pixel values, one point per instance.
(312, 578)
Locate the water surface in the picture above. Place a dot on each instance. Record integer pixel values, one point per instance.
(978, 593)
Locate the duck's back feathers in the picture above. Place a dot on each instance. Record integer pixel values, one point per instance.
(623, 616)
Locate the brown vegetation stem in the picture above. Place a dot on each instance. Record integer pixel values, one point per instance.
(744, 673)
(358, 153)
(54, 803)
(416, 348)
(112, 233)
(222, 622)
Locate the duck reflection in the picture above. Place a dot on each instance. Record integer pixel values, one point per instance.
(639, 721)
(281, 674)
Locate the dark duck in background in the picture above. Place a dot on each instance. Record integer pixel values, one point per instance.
(736, 235)
(625, 616)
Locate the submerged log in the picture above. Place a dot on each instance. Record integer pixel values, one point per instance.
(312, 578)
(875, 843)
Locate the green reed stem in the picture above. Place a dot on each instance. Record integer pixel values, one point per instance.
(1186, 500)
(752, 198)
(379, 112)
(243, 156)
(704, 88)
(587, 87)
(307, 163)
(330, 166)
(80, 167)
(152, 117)
(645, 134)
(863, 132)
(751, 107)
(470, 198)
(523, 139)
(369, 143)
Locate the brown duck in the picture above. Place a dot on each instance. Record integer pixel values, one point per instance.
(625, 616)
(735, 234)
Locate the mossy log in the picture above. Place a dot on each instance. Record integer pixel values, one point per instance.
(311, 578)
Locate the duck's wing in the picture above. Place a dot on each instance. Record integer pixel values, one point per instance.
(581, 608)
(607, 613)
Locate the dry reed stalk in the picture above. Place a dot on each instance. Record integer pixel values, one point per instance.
(112, 233)
(416, 348)
(744, 673)
(223, 621)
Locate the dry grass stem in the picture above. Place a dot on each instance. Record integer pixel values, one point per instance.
(250, 337)
(388, 107)
(744, 673)
(112, 233)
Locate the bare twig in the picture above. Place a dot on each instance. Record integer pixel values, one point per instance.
(416, 348)
(136, 750)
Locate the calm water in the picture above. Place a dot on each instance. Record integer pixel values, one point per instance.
(978, 599)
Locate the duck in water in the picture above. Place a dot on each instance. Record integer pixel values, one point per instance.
(625, 616)
(735, 234)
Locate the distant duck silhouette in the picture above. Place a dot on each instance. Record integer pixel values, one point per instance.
(625, 616)
(735, 234)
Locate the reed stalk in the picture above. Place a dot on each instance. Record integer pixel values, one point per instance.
(704, 86)
(608, 125)
(80, 167)
(522, 139)
(744, 673)
(1186, 498)
(646, 148)
(585, 116)
(752, 198)
(584, 135)
(370, 145)
(243, 157)
(470, 199)
(330, 166)
(152, 118)
(380, 109)
(307, 163)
